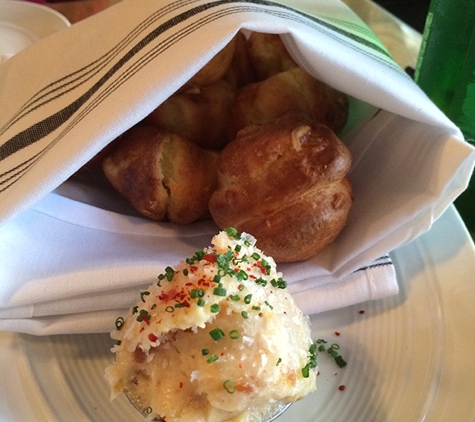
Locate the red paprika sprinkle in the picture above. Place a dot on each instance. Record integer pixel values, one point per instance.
(210, 257)
(341, 388)
(361, 312)
(337, 333)
(152, 337)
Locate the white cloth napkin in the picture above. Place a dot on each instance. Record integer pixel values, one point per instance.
(66, 266)
(75, 268)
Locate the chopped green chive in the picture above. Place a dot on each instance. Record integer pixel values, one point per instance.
(242, 275)
(212, 359)
(234, 334)
(266, 265)
(312, 360)
(278, 362)
(321, 345)
(143, 316)
(205, 352)
(262, 282)
(195, 293)
(256, 256)
(279, 283)
(340, 361)
(185, 272)
(235, 298)
(216, 334)
(215, 308)
(232, 232)
(256, 308)
(169, 273)
(169, 309)
(198, 256)
(244, 314)
(237, 248)
(201, 303)
(229, 386)
(333, 352)
(119, 323)
(247, 299)
(142, 294)
(244, 258)
(220, 291)
(217, 278)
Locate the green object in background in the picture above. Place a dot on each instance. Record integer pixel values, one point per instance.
(446, 73)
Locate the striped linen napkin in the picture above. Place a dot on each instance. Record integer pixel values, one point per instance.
(68, 266)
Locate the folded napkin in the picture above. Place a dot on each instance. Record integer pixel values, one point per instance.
(75, 268)
(69, 266)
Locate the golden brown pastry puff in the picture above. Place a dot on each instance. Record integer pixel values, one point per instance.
(268, 55)
(285, 183)
(240, 71)
(163, 176)
(215, 69)
(200, 114)
(293, 89)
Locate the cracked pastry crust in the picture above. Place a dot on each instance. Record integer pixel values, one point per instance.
(285, 182)
(163, 175)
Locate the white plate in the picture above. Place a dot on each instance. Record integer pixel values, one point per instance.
(410, 357)
(23, 23)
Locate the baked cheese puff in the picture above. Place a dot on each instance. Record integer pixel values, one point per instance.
(215, 69)
(240, 71)
(285, 183)
(294, 89)
(200, 114)
(163, 175)
(269, 55)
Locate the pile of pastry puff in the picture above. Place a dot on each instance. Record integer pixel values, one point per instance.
(218, 338)
(250, 141)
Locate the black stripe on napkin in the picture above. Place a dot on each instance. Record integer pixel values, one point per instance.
(379, 262)
(53, 122)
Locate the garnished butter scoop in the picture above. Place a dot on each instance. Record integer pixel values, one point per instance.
(217, 338)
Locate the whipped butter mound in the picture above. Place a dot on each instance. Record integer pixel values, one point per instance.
(218, 338)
